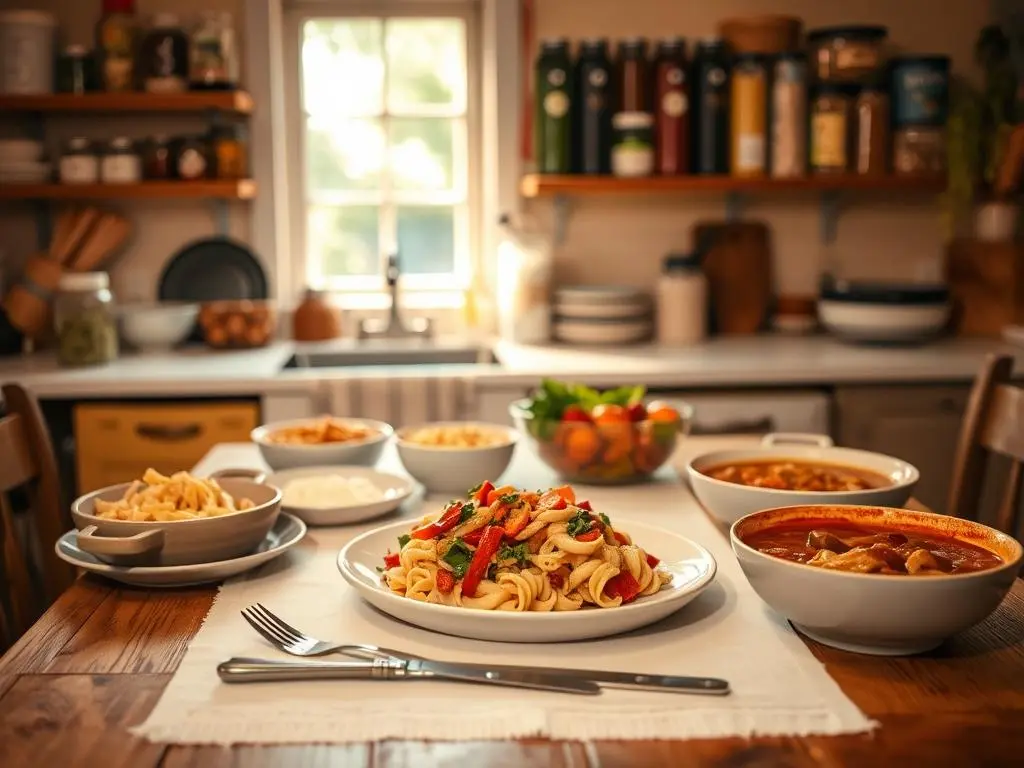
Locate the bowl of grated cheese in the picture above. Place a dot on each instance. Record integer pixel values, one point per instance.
(339, 495)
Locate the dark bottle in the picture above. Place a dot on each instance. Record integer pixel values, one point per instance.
(711, 107)
(163, 56)
(634, 76)
(552, 107)
(593, 107)
(672, 109)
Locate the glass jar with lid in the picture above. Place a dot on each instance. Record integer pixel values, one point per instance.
(831, 130)
(633, 147)
(121, 164)
(79, 162)
(85, 320)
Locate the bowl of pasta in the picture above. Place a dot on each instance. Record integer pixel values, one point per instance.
(324, 441)
(514, 565)
(449, 457)
(175, 520)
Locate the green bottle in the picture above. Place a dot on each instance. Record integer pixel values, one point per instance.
(552, 107)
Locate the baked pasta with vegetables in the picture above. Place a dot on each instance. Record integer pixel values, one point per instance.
(508, 549)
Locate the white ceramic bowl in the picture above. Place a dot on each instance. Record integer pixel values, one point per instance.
(728, 502)
(876, 613)
(456, 470)
(363, 453)
(692, 567)
(883, 323)
(152, 327)
(14, 151)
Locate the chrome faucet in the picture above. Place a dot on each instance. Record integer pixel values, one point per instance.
(393, 327)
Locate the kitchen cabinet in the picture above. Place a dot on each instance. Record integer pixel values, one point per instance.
(919, 424)
(492, 403)
(116, 442)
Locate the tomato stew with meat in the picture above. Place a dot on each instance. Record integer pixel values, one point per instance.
(794, 475)
(846, 546)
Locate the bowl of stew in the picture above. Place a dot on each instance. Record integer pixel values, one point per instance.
(791, 469)
(875, 580)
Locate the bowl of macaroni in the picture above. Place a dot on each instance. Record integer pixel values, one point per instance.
(452, 456)
(323, 441)
(175, 519)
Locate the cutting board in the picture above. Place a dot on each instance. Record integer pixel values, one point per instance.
(738, 264)
(986, 281)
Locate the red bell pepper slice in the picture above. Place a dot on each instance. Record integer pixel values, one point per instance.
(481, 493)
(516, 521)
(585, 505)
(445, 581)
(556, 580)
(473, 537)
(391, 560)
(551, 500)
(448, 520)
(624, 586)
(653, 561)
(592, 535)
(623, 541)
(486, 549)
(496, 493)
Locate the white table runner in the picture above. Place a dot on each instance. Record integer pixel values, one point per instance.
(778, 686)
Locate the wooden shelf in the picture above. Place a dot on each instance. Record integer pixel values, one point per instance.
(237, 102)
(543, 185)
(243, 189)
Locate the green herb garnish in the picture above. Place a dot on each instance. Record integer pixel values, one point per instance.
(605, 519)
(579, 523)
(379, 569)
(458, 556)
(520, 553)
(403, 540)
(475, 489)
(468, 510)
(509, 498)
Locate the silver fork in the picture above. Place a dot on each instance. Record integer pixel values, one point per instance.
(290, 640)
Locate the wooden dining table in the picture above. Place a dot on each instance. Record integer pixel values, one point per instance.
(96, 663)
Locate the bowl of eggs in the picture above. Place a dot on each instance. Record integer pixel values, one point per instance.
(241, 324)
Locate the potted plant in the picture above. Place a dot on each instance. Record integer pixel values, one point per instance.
(979, 128)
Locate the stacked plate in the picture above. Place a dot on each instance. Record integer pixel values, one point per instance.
(20, 162)
(602, 314)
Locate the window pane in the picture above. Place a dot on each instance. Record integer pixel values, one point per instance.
(426, 238)
(426, 63)
(343, 66)
(421, 153)
(343, 240)
(344, 154)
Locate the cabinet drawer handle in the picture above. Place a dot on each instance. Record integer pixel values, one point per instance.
(755, 427)
(168, 432)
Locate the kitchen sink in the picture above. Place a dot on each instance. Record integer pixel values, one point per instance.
(412, 356)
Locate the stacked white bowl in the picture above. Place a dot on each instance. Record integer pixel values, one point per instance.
(602, 314)
(21, 162)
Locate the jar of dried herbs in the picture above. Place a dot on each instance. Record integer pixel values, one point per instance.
(85, 320)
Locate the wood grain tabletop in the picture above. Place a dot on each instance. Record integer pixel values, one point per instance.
(96, 663)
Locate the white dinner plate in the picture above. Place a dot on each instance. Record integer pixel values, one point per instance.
(395, 490)
(693, 569)
(286, 533)
(589, 332)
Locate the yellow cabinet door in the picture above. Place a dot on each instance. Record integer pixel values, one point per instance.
(117, 443)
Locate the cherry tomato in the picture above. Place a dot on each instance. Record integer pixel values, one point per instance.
(575, 413)
(637, 412)
(663, 412)
(609, 414)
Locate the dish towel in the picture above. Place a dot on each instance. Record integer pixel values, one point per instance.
(778, 687)
(403, 401)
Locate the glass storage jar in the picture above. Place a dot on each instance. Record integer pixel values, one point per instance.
(121, 164)
(79, 162)
(919, 151)
(156, 158)
(633, 147)
(847, 54)
(831, 108)
(85, 321)
(872, 131)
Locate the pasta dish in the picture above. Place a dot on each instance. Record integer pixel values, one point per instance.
(514, 550)
(463, 436)
(158, 498)
(325, 430)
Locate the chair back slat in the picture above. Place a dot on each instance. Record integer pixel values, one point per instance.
(1003, 429)
(19, 465)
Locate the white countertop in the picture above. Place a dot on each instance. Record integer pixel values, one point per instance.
(768, 360)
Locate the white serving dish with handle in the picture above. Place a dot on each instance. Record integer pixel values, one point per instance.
(728, 502)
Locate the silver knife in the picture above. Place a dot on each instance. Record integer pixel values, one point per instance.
(246, 670)
(713, 686)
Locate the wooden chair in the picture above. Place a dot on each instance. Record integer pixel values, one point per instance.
(28, 472)
(993, 425)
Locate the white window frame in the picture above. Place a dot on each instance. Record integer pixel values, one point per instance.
(439, 289)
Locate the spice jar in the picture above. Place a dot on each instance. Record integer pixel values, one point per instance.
(592, 132)
(830, 128)
(228, 153)
(789, 117)
(191, 158)
(633, 150)
(156, 158)
(749, 115)
(671, 102)
(85, 321)
(79, 163)
(872, 131)
(214, 62)
(551, 110)
(163, 56)
(919, 151)
(121, 164)
(76, 71)
(635, 95)
(315, 319)
(850, 54)
(115, 43)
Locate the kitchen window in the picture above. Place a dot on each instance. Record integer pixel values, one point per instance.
(384, 157)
